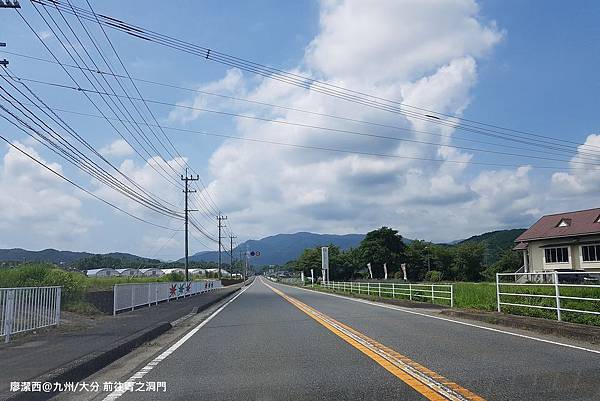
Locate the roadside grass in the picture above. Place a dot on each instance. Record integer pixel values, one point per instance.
(81, 308)
(482, 296)
(74, 284)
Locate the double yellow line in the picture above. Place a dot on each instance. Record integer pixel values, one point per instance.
(425, 381)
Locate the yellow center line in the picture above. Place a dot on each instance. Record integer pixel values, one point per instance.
(428, 383)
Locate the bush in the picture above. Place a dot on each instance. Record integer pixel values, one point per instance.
(73, 284)
(434, 276)
(399, 275)
(41, 275)
(175, 276)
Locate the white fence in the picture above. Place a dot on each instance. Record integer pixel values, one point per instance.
(28, 308)
(443, 293)
(130, 296)
(579, 291)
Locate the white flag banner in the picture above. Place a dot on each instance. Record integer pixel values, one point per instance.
(403, 266)
(312, 276)
(325, 263)
(302, 276)
(385, 271)
(370, 271)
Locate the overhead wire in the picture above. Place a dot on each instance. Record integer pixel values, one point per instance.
(349, 151)
(329, 129)
(79, 186)
(300, 110)
(308, 82)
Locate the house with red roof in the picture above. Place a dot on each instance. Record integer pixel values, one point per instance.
(568, 240)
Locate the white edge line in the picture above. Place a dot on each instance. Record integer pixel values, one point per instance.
(401, 309)
(154, 362)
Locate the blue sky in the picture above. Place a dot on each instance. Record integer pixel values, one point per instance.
(522, 65)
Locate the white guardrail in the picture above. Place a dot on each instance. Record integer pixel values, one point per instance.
(130, 296)
(28, 308)
(580, 290)
(414, 292)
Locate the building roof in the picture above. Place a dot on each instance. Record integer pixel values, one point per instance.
(93, 272)
(520, 246)
(560, 225)
(124, 270)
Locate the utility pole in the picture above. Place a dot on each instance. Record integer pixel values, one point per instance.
(220, 226)
(231, 237)
(246, 264)
(7, 4)
(187, 210)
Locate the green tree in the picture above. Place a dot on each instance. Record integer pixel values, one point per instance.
(416, 258)
(309, 259)
(382, 246)
(509, 262)
(442, 257)
(467, 264)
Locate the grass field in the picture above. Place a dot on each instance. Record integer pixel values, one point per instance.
(74, 284)
(482, 296)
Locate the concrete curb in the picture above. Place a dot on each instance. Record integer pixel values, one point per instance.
(575, 331)
(91, 363)
(83, 367)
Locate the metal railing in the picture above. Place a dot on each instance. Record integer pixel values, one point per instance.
(131, 296)
(28, 308)
(443, 293)
(577, 292)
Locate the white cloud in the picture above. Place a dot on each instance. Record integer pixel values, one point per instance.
(45, 35)
(118, 148)
(155, 176)
(421, 53)
(231, 84)
(431, 62)
(584, 179)
(37, 208)
(393, 42)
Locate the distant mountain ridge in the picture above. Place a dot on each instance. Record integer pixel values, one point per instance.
(500, 238)
(275, 250)
(281, 248)
(56, 256)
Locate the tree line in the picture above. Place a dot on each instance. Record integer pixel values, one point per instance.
(425, 261)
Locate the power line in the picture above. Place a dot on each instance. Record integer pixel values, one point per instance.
(305, 82)
(341, 131)
(82, 188)
(123, 89)
(300, 110)
(68, 151)
(108, 84)
(364, 153)
(121, 106)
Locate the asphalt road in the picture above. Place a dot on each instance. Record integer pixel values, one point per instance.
(313, 346)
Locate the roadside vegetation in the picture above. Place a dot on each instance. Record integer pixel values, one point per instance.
(482, 297)
(74, 284)
(474, 260)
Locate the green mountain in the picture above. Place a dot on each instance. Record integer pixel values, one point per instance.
(281, 248)
(496, 242)
(60, 257)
